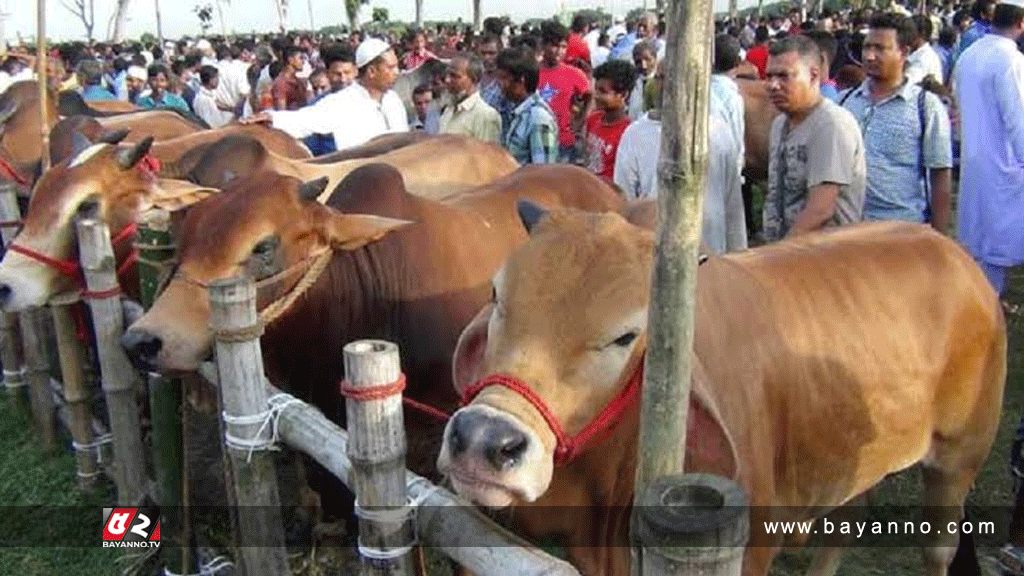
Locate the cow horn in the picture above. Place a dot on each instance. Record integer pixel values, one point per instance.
(313, 189)
(530, 213)
(113, 137)
(8, 110)
(129, 157)
(78, 144)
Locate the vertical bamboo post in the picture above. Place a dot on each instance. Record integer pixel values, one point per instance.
(119, 380)
(10, 342)
(247, 432)
(76, 394)
(41, 70)
(37, 373)
(666, 390)
(155, 250)
(377, 450)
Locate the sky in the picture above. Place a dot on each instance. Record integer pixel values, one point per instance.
(178, 18)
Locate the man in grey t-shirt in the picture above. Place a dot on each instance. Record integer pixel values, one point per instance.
(816, 164)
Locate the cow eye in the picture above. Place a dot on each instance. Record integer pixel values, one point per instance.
(266, 246)
(625, 340)
(494, 293)
(88, 208)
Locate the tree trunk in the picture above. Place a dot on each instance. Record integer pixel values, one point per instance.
(159, 28)
(352, 11)
(476, 15)
(733, 10)
(120, 17)
(419, 14)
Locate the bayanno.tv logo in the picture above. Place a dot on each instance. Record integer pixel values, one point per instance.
(131, 527)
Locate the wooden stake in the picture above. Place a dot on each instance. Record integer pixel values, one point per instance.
(119, 380)
(10, 341)
(37, 375)
(377, 447)
(41, 73)
(247, 435)
(76, 395)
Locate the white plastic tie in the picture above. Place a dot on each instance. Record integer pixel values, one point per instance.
(96, 445)
(14, 379)
(394, 515)
(209, 569)
(269, 417)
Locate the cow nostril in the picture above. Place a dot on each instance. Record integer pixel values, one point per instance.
(507, 448)
(141, 345)
(5, 294)
(458, 437)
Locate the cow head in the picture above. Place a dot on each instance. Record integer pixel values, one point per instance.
(266, 225)
(568, 320)
(100, 180)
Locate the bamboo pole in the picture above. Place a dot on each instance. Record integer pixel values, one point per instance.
(666, 389)
(76, 394)
(377, 447)
(37, 374)
(119, 379)
(247, 432)
(41, 73)
(10, 343)
(159, 28)
(443, 520)
(155, 252)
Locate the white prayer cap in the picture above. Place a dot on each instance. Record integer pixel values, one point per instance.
(1017, 3)
(138, 72)
(369, 49)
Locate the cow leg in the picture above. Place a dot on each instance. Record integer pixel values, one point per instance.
(829, 548)
(944, 495)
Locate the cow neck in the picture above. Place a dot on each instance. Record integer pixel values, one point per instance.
(569, 447)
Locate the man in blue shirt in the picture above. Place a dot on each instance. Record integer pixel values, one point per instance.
(159, 96)
(90, 77)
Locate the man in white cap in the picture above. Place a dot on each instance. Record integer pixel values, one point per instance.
(136, 82)
(367, 108)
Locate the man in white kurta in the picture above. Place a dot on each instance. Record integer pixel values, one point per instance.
(989, 84)
(367, 108)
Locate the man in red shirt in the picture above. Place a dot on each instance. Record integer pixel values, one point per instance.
(577, 53)
(565, 88)
(613, 82)
(758, 54)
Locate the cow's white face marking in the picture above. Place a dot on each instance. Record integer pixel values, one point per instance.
(86, 154)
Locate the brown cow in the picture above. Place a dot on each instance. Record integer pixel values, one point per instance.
(417, 287)
(812, 381)
(758, 113)
(109, 181)
(21, 138)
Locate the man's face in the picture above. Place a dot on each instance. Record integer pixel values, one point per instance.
(792, 82)
(553, 53)
(296, 60)
(320, 84)
(605, 96)
(489, 54)
(457, 79)
(644, 60)
(385, 73)
(134, 84)
(421, 102)
(883, 57)
(341, 74)
(419, 43)
(510, 86)
(213, 83)
(158, 83)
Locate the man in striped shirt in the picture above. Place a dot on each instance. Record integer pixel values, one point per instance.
(532, 135)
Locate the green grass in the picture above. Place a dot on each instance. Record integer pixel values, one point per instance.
(31, 476)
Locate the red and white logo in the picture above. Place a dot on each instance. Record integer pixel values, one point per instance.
(131, 527)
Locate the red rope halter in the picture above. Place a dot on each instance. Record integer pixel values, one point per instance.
(71, 268)
(11, 173)
(567, 447)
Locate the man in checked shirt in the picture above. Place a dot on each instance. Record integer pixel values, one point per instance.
(532, 134)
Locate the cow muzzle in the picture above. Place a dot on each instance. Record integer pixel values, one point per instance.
(142, 347)
(493, 458)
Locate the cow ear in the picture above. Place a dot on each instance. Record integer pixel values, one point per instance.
(170, 194)
(709, 446)
(129, 157)
(350, 231)
(530, 213)
(79, 143)
(312, 190)
(468, 359)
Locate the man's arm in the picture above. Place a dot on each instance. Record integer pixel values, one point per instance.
(1010, 103)
(543, 140)
(820, 206)
(942, 188)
